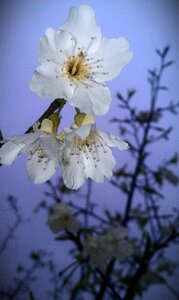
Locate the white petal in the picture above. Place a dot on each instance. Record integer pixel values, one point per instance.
(9, 152)
(73, 173)
(115, 54)
(51, 147)
(94, 100)
(40, 172)
(113, 141)
(69, 134)
(45, 83)
(26, 139)
(90, 170)
(107, 161)
(53, 44)
(82, 25)
(83, 132)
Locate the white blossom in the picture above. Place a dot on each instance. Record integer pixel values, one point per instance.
(76, 61)
(111, 245)
(117, 245)
(95, 251)
(43, 148)
(86, 154)
(61, 218)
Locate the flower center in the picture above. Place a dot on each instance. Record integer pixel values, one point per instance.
(88, 147)
(76, 68)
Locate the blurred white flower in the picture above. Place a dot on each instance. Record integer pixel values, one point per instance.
(61, 218)
(76, 61)
(86, 154)
(95, 250)
(113, 244)
(43, 148)
(117, 246)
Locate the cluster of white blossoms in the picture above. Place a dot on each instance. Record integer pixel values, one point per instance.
(111, 245)
(61, 218)
(76, 61)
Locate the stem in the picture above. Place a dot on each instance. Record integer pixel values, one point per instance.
(130, 293)
(56, 104)
(63, 102)
(77, 110)
(105, 283)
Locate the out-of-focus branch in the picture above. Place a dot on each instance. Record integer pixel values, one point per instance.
(1, 138)
(150, 251)
(12, 229)
(106, 283)
(22, 284)
(155, 87)
(87, 207)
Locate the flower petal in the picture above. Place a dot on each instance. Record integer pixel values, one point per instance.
(52, 44)
(73, 173)
(82, 25)
(9, 152)
(47, 82)
(92, 170)
(115, 54)
(83, 131)
(94, 100)
(51, 147)
(26, 139)
(113, 141)
(107, 161)
(40, 172)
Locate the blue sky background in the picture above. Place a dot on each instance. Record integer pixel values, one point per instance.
(146, 24)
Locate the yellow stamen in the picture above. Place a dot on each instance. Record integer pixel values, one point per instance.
(75, 67)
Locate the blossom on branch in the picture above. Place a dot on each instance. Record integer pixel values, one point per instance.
(43, 147)
(76, 61)
(61, 218)
(113, 244)
(86, 154)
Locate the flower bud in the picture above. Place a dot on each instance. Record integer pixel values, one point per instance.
(83, 119)
(56, 121)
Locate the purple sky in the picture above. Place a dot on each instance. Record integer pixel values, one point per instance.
(146, 24)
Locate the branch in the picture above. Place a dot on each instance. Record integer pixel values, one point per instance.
(13, 228)
(57, 103)
(155, 84)
(105, 283)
